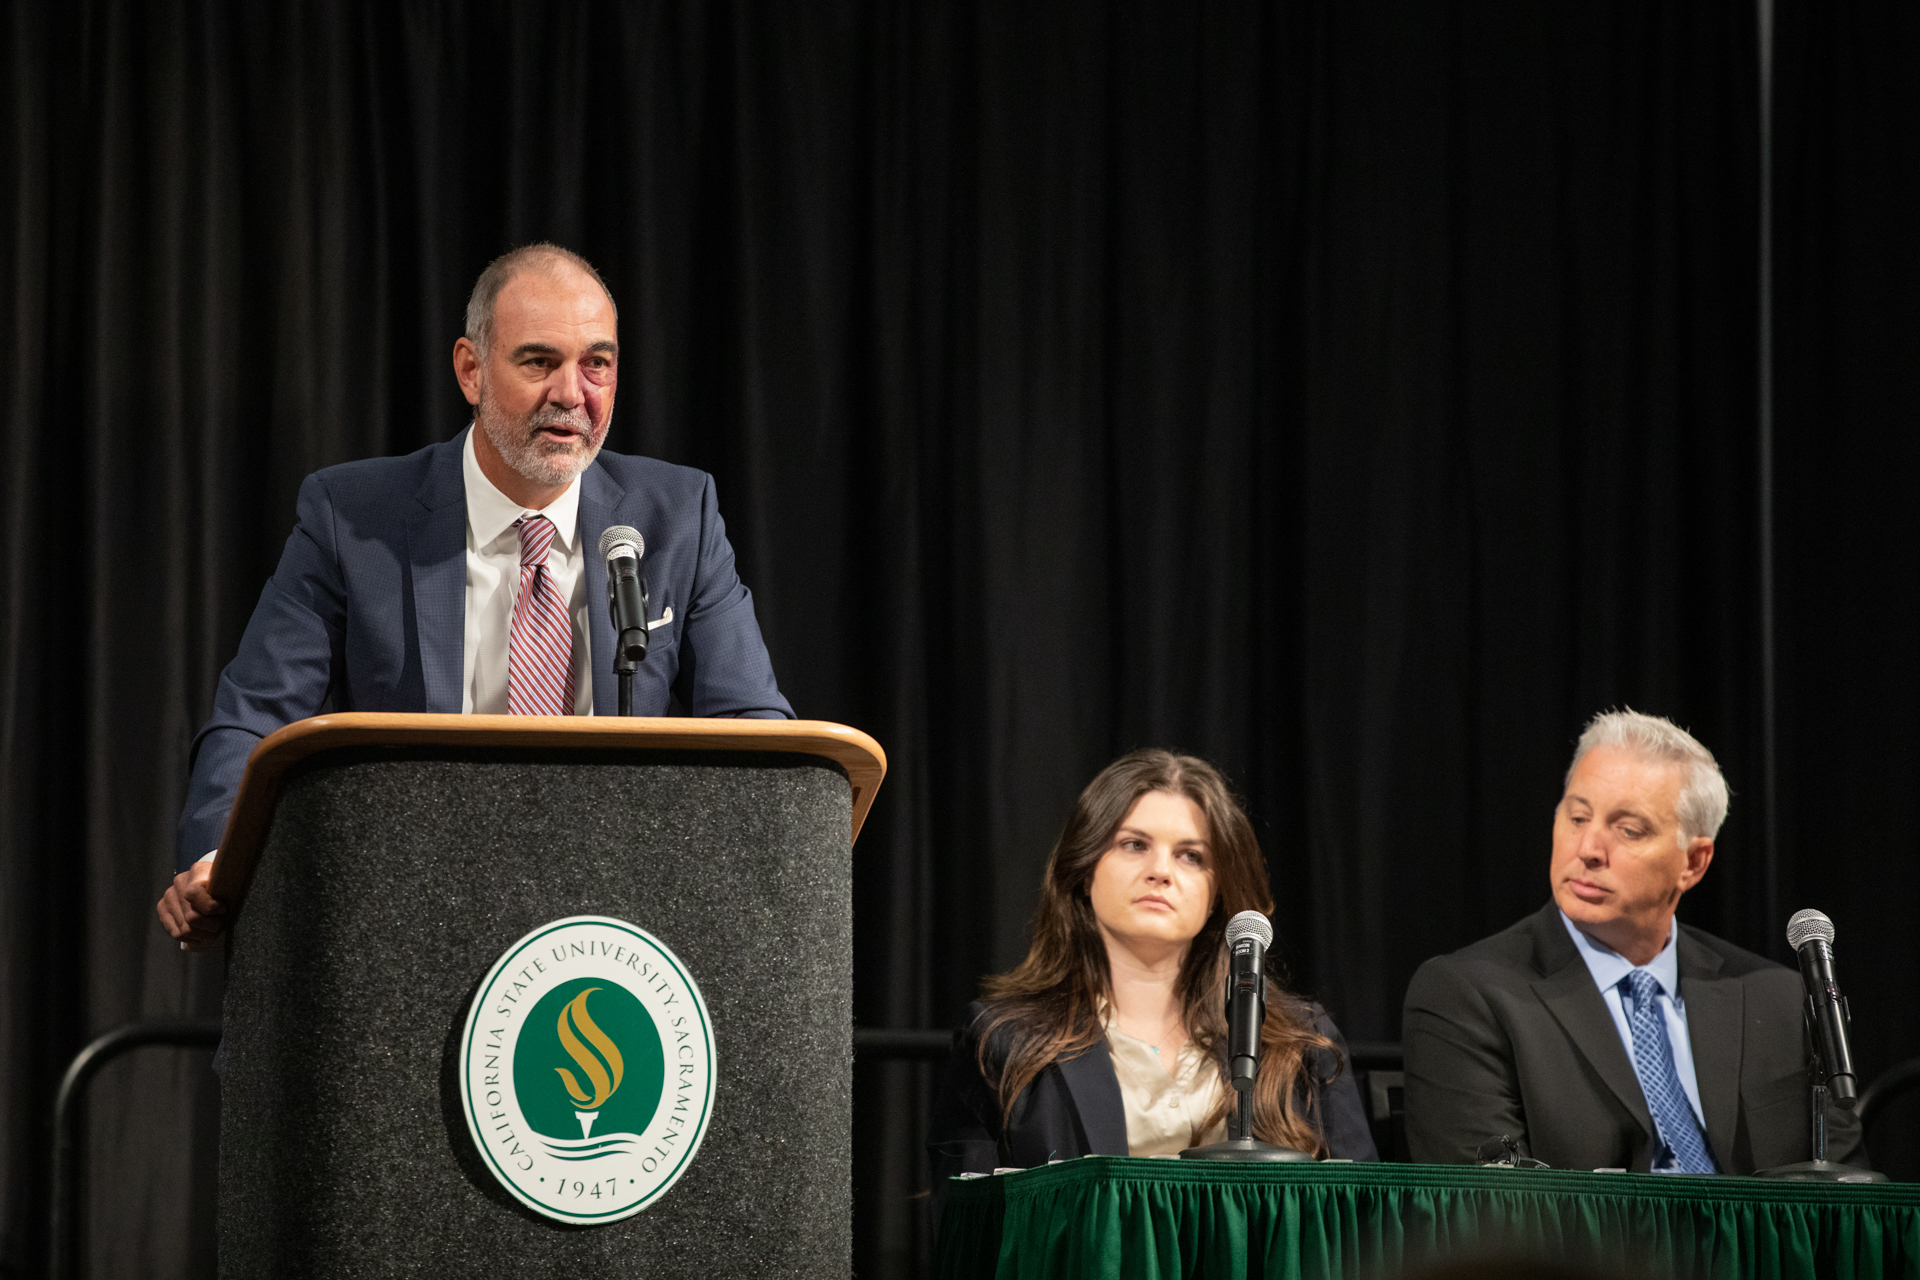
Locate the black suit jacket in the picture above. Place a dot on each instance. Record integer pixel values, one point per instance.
(1073, 1108)
(1511, 1036)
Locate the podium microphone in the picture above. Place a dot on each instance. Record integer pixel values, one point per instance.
(1811, 934)
(621, 546)
(1249, 934)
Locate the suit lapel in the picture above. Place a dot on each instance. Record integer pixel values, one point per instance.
(1716, 1013)
(437, 557)
(1568, 991)
(1096, 1096)
(600, 500)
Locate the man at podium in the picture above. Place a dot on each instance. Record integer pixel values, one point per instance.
(466, 577)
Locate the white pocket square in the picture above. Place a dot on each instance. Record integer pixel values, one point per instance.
(662, 620)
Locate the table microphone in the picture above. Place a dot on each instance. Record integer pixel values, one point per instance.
(1249, 934)
(1811, 934)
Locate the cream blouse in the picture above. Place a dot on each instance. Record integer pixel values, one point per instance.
(1165, 1109)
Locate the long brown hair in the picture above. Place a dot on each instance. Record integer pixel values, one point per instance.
(1049, 1006)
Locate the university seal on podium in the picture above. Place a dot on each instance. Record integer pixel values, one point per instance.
(586, 1069)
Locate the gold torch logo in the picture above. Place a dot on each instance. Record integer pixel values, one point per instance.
(603, 1069)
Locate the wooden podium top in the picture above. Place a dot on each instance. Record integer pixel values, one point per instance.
(855, 752)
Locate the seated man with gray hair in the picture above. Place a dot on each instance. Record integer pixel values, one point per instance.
(1598, 1032)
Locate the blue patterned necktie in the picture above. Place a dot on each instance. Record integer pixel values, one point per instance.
(1673, 1116)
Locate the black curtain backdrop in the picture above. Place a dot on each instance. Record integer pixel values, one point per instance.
(1848, 324)
(1360, 396)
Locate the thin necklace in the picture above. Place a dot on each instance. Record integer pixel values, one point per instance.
(1142, 1039)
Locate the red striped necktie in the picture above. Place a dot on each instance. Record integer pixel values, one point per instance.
(540, 647)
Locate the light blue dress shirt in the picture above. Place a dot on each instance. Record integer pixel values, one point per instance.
(1609, 967)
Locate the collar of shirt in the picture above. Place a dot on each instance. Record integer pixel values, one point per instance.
(1608, 966)
(491, 513)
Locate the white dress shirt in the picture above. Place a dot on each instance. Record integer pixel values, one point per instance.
(493, 584)
(1608, 967)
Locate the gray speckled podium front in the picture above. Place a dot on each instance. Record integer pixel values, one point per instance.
(390, 885)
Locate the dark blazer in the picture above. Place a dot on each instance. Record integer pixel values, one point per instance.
(1511, 1036)
(367, 610)
(1073, 1108)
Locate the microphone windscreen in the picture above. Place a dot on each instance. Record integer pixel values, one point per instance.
(1250, 924)
(1808, 926)
(619, 533)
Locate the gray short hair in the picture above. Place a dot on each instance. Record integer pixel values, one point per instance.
(1703, 796)
(486, 290)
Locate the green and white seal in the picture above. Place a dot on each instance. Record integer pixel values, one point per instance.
(586, 1069)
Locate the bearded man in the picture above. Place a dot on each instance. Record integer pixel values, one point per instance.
(465, 577)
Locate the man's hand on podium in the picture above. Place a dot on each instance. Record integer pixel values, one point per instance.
(189, 911)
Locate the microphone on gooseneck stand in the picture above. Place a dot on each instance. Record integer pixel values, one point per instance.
(1249, 934)
(1811, 935)
(621, 546)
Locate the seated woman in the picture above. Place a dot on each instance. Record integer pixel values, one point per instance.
(1110, 1038)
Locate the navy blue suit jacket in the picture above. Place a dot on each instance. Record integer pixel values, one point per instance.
(367, 610)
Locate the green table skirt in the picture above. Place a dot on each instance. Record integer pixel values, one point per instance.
(1161, 1219)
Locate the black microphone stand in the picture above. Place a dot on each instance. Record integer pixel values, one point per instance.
(630, 645)
(623, 669)
(1819, 1169)
(1246, 1014)
(1240, 1143)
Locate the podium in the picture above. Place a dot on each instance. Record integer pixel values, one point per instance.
(392, 874)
